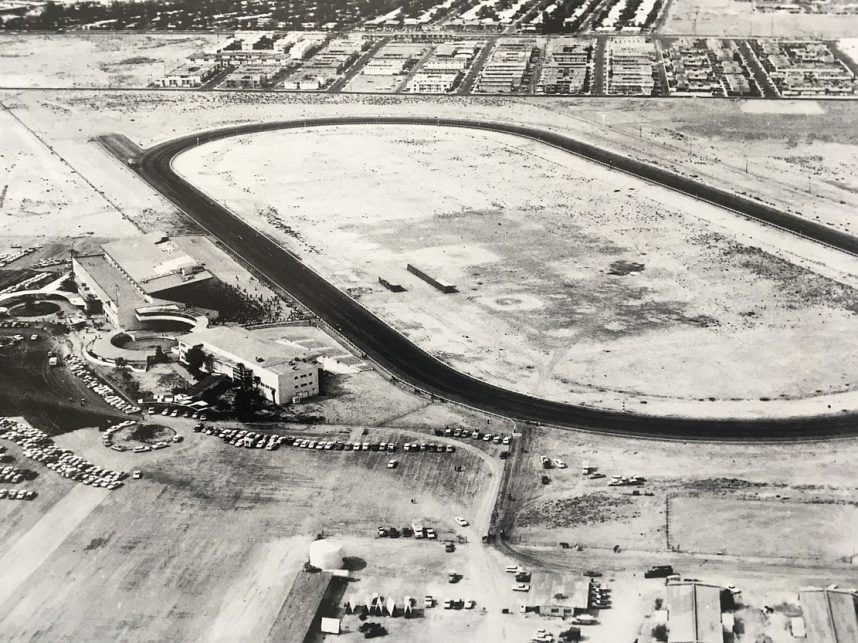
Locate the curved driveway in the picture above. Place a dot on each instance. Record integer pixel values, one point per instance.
(399, 356)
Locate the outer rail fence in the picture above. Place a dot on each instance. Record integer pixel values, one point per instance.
(395, 353)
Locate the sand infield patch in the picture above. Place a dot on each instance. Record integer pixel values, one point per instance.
(27, 553)
(512, 302)
(805, 107)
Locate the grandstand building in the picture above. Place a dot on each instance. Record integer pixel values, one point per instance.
(140, 281)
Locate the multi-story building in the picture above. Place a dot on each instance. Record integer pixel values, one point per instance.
(279, 373)
(507, 67)
(307, 46)
(630, 67)
(565, 68)
(445, 68)
(142, 280)
(189, 75)
(251, 76)
(430, 82)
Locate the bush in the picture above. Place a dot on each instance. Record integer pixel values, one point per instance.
(659, 632)
(570, 635)
(372, 630)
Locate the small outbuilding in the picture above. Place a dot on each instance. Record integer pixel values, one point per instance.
(330, 625)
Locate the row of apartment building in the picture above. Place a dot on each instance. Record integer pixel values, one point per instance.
(446, 68)
(805, 68)
(711, 67)
(328, 64)
(631, 67)
(565, 67)
(508, 67)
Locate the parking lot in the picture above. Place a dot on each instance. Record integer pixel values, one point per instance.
(52, 397)
(270, 496)
(87, 375)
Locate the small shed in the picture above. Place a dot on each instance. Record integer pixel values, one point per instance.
(330, 625)
(797, 627)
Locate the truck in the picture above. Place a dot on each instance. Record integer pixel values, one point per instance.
(658, 571)
(417, 527)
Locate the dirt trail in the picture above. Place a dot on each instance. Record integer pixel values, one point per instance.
(24, 556)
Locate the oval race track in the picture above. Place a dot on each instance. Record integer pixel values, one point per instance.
(400, 357)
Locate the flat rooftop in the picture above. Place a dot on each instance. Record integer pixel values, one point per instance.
(241, 345)
(118, 288)
(300, 616)
(695, 613)
(121, 291)
(830, 615)
(155, 262)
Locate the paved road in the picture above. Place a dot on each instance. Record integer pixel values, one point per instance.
(467, 85)
(598, 86)
(406, 361)
(764, 82)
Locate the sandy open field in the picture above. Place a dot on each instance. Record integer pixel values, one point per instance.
(94, 60)
(765, 501)
(44, 196)
(795, 530)
(564, 292)
(738, 18)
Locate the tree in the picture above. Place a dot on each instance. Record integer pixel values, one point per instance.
(160, 356)
(195, 357)
(245, 403)
(371, 630)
